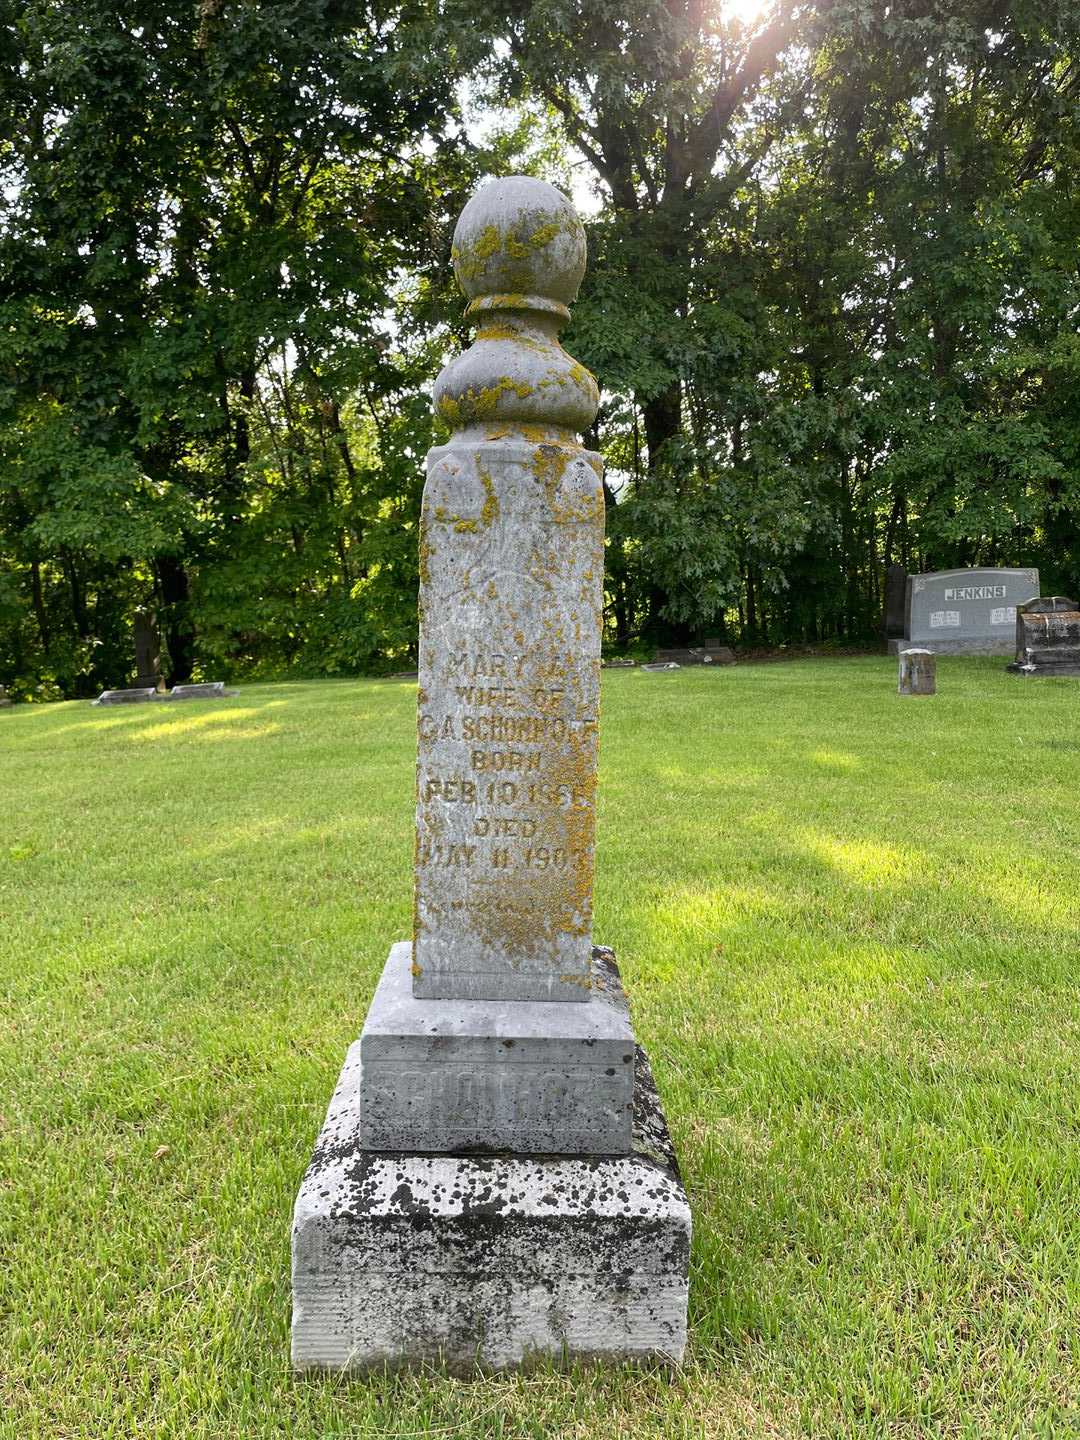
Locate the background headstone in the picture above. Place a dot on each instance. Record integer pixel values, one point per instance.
(1047, 637)
(201, 690)
(917, 673)
(965, 612)
(5, 699)
(147, 652)
(895, 614)
(140, 696)
(704, 654)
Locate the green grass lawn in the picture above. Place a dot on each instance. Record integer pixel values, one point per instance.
(850, 928)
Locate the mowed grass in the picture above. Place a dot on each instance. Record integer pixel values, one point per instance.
(850, 928)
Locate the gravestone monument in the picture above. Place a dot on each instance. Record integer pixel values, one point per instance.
(142, 696)
(709, 652)
(494, 1183)
(1047, 637)
(895, 613)
(201, 690)
(965, 612)
(147, 652)
(917, 674)
(5, 698)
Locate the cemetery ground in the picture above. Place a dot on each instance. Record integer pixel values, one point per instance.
(850, 929)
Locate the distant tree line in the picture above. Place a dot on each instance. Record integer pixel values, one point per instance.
(832, 305)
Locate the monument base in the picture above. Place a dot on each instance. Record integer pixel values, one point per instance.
(980, 645)
(1067, 669)
(450, 1076)
(488, 1262)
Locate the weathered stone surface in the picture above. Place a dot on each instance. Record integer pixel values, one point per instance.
(125, 697)
(965, 612)
(918, 673)
(5, 698)
(490, 1262)
(487, 1075)
(1048, 637)
(512, 563)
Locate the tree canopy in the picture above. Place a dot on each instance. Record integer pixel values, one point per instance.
(832, 305)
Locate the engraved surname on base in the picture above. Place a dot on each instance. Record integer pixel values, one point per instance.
(476, 1095)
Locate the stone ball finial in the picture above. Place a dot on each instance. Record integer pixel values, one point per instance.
(519, 255)
(519, 239)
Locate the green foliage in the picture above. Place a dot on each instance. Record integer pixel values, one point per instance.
(831, 302)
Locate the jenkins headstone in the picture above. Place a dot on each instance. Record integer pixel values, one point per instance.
(965, 612)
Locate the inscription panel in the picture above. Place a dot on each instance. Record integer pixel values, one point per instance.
(525, 1108)
(507, 724)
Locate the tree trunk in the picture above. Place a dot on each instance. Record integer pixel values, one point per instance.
(179, 631)
(663, 422)
(38, 597)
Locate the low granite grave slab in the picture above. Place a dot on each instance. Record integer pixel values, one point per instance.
(696, 655)
(138, 696)
(490, 1262)
(204, 690)
(489, 1075)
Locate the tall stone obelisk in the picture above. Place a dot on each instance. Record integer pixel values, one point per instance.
(494, 1180)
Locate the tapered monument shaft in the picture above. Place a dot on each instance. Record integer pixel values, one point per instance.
(511, 593)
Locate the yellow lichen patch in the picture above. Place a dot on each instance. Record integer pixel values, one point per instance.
(488, 243)
(493, 331)
(585, 981)
(450, 411)
(544, 235)
(512, 334)
(581, 376)
(426, 552)
(470, 260)
(478, 405)
(463, 524)
(490, 511)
